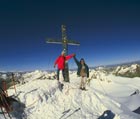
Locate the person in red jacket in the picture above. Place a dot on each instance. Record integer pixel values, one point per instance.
(60, 62)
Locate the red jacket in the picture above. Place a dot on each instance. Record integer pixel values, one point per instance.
(60, 61)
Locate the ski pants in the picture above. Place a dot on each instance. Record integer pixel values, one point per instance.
(58, 72)
(83, 82)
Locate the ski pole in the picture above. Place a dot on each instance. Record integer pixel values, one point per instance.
(13, 80)
(5, 87)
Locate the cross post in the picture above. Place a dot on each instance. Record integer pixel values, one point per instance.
(65, 42)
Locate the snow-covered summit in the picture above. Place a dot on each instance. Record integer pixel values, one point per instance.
(44, 100)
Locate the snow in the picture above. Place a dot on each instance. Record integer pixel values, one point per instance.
(43, 99)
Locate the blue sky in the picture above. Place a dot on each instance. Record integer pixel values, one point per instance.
(107, 30)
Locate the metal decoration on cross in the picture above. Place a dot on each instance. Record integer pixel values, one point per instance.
(65, 42)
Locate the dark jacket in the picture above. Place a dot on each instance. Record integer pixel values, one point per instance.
(80, 67)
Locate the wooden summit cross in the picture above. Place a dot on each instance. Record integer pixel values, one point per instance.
(65, 42)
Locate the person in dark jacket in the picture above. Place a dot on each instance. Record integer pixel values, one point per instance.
(83, 72)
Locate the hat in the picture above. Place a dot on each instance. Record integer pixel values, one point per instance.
(63, 52)
(82, 59)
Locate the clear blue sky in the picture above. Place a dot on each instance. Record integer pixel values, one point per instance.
(109, 32)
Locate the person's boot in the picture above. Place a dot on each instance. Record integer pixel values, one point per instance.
(83, 88)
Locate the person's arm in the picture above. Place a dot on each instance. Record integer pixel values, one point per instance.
(56, 61)
(87, 71)
(76, 61)
(69, 56)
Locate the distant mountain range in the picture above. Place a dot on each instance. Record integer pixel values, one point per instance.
(119, 64)
(122, 64)
(109, 68)
(131, 71)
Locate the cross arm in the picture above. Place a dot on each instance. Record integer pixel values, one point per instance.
(72, 42)
(69, 42)
(55, 41)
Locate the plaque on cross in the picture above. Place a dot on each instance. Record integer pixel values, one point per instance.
(65, 42)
